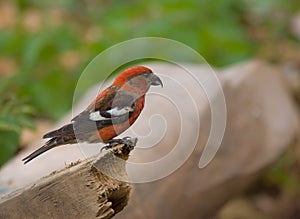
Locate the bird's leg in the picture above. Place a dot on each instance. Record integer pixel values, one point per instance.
(128, 142)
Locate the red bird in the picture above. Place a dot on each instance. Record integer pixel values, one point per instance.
(112, 112)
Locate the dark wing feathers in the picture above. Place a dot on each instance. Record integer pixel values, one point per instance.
(110, 100)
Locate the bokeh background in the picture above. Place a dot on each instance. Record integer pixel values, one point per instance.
(45, 45)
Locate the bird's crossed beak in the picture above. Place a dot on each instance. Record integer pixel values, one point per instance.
(155, 80)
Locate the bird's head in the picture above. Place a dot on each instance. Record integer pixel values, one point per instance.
(138, 78)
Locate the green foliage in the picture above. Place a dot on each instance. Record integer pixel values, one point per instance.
(39, 77)
(9, 141)
(14, 116)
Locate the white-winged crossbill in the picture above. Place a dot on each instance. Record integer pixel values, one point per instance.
(112, 112)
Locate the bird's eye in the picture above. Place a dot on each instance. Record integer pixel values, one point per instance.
(147, 75)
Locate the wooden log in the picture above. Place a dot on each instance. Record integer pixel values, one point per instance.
(81, 190)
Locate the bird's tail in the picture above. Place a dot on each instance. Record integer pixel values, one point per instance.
(53, 142)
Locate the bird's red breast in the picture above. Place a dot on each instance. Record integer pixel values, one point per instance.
(110, 132)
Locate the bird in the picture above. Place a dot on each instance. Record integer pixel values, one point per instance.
(113, 111)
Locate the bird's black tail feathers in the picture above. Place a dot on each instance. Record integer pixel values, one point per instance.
(61, 136)
(53, 142)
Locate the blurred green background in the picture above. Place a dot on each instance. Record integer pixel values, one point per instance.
(44, 46)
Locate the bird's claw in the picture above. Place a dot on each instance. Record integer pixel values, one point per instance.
(111, 143)
(128, 142)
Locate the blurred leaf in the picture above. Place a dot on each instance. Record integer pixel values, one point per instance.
(8, 143)
(9, 123)
(15, 115)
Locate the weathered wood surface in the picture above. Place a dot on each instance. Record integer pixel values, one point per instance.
(81, 190)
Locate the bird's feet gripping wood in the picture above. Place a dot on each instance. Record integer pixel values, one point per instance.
(127, 142)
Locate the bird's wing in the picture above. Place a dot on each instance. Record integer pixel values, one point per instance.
(108, 106)
(111, 108)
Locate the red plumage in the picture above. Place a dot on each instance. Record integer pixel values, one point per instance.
(112, 112)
